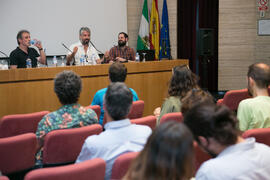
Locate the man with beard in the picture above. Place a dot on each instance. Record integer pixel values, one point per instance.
(120, 53)
(215, 129)
(83, 52)
(255, 112)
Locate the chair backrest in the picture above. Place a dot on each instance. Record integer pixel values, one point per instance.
(122, 164)
(93, 169)
(4, 178)
(262, 135)
(147, 121)
(96, 108)
(64, 145)
(175, 116)
(200, 156)
(136, 111)
(12, 125)
(232, 98)
(17, 153)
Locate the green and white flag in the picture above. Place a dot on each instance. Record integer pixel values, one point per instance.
(143, 37)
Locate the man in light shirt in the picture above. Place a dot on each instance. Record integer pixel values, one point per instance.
(255, 112)
(120, 136)
(83, 53)
(215, 130)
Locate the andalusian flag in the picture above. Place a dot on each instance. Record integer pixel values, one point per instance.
(154, 29)
(165, 47)
(143, 37)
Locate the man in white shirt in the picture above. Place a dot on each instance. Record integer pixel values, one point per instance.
(120, 136)
(83, 53)
(215, 129)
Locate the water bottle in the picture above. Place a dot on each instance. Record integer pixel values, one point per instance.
(137, 57)
(28, 63)
(54, 61)
(82, 60)
(34, 41)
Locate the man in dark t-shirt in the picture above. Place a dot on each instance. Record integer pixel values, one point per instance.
(19, 56)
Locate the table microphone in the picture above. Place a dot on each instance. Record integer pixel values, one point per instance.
(96, 48)
(4, 54)
(67, 48)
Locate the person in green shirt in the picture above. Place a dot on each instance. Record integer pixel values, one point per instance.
(182, 81)
(255, 112)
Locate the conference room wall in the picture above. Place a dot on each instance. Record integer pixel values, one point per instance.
(134, 13)
(239, 44)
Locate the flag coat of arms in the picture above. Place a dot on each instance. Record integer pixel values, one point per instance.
(154, 29)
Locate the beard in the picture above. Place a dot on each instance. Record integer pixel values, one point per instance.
(85, 41)
(122, 43)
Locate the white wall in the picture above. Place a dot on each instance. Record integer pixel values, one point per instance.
(57, 21)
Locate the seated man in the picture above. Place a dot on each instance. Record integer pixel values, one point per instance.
(117, 73)
(83, 49)
(67, 86)
(120, 136)
(255, 112)
(215, 129)
(23, 52)
(120, 53)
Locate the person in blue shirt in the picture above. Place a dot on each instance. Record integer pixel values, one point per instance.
(117, 73)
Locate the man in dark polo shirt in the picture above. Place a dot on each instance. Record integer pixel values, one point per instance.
(19, 56)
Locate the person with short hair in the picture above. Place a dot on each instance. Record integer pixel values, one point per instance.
(182, 81)
(120, 53)
(255, 112)
(117, 73)
(167, 155)
(83, 49)
(67, 86)
(120, 136)
(215, 129)
(19, 56)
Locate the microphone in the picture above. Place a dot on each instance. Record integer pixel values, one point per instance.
(4, 54)
(96, 48)
(66, 47)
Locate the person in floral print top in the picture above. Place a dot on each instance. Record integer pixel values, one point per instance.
(67, 86)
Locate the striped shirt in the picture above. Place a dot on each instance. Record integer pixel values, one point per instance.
(125, 52)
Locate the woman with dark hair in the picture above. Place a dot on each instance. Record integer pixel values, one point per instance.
(167, 155)
(182, 81)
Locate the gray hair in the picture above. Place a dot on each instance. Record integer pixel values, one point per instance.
(118, 100)
(84, 29)
(67, 86)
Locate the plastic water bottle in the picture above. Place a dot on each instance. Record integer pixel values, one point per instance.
(28, 63)
(82, 60)
(137, 57)
(34, 41)
(54, 61)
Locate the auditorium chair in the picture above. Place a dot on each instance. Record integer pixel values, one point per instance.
(17, 153)
(93, 169)
(4, 178)
(175, 116)
(232, 98)
(147, 121)
(262, 135)
(96, 108)
(12, 125)
(136, 111)
(122, 164)
(200, 156)
(64, 145)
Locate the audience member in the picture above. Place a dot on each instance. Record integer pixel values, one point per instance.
(182, 81)
(23, 52)
(167, 155)
(83, 49)
(67, 86)
(255, 112)
(117, 73)
(120, 53)
(215, 129)
(120, 136)
(194, 97)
